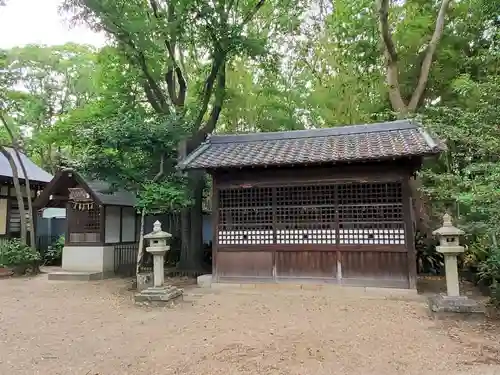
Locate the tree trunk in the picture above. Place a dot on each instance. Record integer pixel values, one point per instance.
(140, 252)
(184, 261)
(192, 217)
(193, 257)
(29, 217)
(19, 194)
(15, 147)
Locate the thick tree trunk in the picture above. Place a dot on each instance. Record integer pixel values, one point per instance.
(184, 260)
(191, 258)
(194, 255)
(19, 194)
(398, 104)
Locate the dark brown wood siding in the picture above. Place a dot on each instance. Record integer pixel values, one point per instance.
(346, 224)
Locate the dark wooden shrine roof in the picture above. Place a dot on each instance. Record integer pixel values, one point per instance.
(100, 191)
(396, 139)
(34, 172)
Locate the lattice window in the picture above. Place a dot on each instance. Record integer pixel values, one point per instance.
(309, 195)
(85, 225)
(354, 213)
(305, 214)
(371, 214)
(86, 220)
(245, 216)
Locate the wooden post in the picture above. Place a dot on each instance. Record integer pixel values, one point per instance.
(409, 233)
(215, 226)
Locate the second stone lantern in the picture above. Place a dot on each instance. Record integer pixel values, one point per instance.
(158, 293)
(449, 246)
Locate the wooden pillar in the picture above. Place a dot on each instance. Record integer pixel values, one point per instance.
(409, 233)
(275, 222)
(68, 228)
(120, 240)
(215, 225)
(102, 224)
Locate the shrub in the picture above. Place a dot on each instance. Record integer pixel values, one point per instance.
(429, 261)
(53, 255)
(489, 272)
(13, 253)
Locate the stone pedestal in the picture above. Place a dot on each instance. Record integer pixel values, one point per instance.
(452, 281)
(447, 306)
(158, 294)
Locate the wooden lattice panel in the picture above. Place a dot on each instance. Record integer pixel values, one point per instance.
(353, 213)
(372, 236)
(303, 236)
(84, 225)
(249, 237)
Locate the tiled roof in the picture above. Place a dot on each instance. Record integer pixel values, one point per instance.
(102, 190)
(35, 173)
(396, 139)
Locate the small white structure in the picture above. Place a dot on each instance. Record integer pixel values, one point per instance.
(158, 293)
(99, 219)
(450, 248)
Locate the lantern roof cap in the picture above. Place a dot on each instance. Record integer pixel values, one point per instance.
(448, 229)
(157, 233)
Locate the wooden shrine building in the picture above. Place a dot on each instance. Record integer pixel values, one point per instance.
(98, 219)
(10, 217)
(331, 205)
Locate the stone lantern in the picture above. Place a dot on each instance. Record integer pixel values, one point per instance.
(159, 292)
(158, 247)
(449, 246)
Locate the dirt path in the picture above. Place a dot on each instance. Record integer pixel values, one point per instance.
(52, 328)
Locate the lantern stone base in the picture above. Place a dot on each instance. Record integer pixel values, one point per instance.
(159, 296)
(444, 306)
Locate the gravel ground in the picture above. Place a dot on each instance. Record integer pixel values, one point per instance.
(52, 328)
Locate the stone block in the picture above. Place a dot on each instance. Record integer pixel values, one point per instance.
(159, 295)
(442, 306)
(144, 281)
(75, 276)
(204, 281)
(247, 286)
(312, 287)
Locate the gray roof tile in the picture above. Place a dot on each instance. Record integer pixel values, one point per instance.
(394, 139)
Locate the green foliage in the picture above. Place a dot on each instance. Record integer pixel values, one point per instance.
(489, 272)
(165, 196)
(428, 259)
(13, 253)
(44, 83)
(53, 255)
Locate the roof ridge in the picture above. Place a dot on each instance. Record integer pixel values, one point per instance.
(314, 133)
